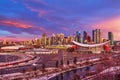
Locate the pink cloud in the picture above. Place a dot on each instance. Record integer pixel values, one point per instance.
(42, 29)
(64, 28)
(13, 39)
(15, 24)
(28, 28)
(112, 25)
(40, 12)
(39, 1)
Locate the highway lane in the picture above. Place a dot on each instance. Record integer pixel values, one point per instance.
(84, 72)
(27, 66)
(48, 60)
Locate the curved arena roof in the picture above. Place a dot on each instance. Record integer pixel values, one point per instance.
(90, 45)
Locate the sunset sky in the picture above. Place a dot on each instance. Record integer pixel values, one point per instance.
(28, 19)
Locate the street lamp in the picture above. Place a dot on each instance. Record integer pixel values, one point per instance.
(35, 68)
(63, 58)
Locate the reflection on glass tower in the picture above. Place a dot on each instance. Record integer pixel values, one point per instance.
(78, 37)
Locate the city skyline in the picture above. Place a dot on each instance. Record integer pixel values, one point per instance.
(28, 19)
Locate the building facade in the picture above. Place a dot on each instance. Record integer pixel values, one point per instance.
(97, 36)
(78, 37)
(110, 37)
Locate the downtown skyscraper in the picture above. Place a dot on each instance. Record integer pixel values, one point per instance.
(44, 39)
(78, 37)
(86, 37)
(97, 36)
(110, 37)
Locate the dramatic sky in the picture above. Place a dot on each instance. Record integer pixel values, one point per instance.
(28, 19)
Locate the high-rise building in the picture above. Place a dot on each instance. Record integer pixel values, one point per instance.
(65, 40)
(85, 36)
(97, 36)
(78, 37)
(94, 36)
(48, 41)
(53, 40)
(44, 39)
(110, 37)
(70, 39)
(4, 42)
(61, 38)
(58, 39)
(30, 42)
(37, 42)
(89, 39)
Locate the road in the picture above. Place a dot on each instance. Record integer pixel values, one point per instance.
(50, 59)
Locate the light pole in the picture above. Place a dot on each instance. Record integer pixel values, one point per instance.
(34, 65)
(64, 55)
(35, 68)
(63, 58)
